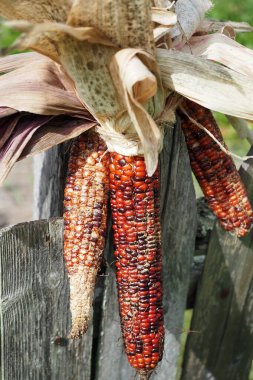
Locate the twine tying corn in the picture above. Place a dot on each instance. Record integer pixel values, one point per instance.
(85, 217)
(136, 223)
(216, 171)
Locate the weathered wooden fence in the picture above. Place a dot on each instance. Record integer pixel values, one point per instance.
(222, 348)
(35, 316)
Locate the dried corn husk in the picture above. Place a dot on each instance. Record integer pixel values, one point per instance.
(11, 149)
(5, 111)
(35, 10)
(220, 48)
(87, 57)
(164, 21)
(163, 17)
(163, 4)
(35, 84)
(23, 135)
(190, 14)
(210, 26)
(11, 121)
(213, 86)
(56, 131)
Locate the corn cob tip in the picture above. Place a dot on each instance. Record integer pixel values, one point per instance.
(81, 296)
(144, 374)
(78, 331)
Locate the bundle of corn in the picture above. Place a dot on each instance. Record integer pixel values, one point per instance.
(118, 67)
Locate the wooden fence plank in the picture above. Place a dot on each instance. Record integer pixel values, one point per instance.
(222, 347)
(49, 177)
(178, 235)
(35, 313)
(111, 359)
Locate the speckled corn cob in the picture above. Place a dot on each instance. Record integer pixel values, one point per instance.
(136, 223)
(216, 171)
(85, 219)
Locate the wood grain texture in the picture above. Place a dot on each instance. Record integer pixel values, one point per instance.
(50, 171)
(35, 316)
(222, 347)
(178, 215)
(178, 235)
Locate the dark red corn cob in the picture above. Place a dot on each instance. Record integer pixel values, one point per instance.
(216, 171)
(136, 223)
(85, 219)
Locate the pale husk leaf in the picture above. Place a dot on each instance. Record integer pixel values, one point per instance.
(164, 21)
(210, 26)
(35, 84)
(55, 132)
(16, 61)
(209, 84)
(220, 48)
(160, 32)
(163, 4)
(24, 135)
(5, 111)
(163, 17)
(190, 14)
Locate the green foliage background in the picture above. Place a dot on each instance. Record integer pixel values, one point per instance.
(7, 36)
(235, 11)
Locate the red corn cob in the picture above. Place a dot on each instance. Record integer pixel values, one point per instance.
(85, 217)
(136, 224)
(216, 171)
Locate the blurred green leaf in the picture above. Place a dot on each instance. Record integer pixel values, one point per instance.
(235, 11)
(7, 37)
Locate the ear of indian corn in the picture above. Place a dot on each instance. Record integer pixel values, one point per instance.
(215, 170)
(85, 222)
(136, 223)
